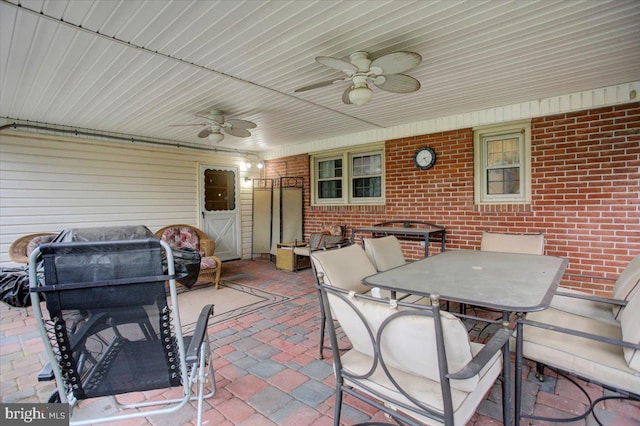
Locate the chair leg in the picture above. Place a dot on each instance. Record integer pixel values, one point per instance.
(217, 278)
(540, 371)
(323, 324)
(338, 407)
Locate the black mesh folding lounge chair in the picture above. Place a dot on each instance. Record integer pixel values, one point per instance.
(112, 329)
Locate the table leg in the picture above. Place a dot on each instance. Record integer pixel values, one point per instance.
(506, 377)
(518, 383)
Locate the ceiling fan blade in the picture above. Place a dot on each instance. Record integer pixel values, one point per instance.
(204, 133)
(214, 115)
(241, 133)
(398, 83)
(182, 125)
(345, 96)
(241, 124)
(397, 62)
(336, 64)
(318, 85)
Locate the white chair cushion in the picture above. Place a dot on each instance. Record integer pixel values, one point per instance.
(301, 251)
(630, 324)
(344, 267)
(599, 361)
(512, 243)
(627, 285)
(385, 252)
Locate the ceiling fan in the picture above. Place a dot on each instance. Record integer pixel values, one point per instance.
(216, 124)
(384, 72)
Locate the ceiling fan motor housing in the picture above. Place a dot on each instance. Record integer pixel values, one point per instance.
(361, 60)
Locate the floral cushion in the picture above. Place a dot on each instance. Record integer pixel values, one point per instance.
(181, 237)
(207, 263)
(36, 241)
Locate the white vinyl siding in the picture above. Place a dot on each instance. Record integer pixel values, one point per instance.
(48, 184)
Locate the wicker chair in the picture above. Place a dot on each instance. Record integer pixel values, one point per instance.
(181, 235)
(21, 248)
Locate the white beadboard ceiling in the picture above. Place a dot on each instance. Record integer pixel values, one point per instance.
(135, 67)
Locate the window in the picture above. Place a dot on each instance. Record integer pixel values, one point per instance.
(348, 177)
(366, 180)
(330, 179)
(503, 163)
(219, 190)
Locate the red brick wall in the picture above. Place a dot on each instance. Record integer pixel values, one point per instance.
(585, 191)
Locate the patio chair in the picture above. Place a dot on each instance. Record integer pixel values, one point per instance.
(111, 329)
(330, 236)
(605, 353)
(512, 243)
(384, 252)
(187, 236)
(413, 362)
(586, 305)
(345, 268)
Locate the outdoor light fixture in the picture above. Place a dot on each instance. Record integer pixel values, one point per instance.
(247, 163)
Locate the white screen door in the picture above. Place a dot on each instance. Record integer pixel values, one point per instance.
(220, 210)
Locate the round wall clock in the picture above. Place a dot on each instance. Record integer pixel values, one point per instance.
(425, 158)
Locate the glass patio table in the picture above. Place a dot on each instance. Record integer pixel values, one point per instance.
(506, 282)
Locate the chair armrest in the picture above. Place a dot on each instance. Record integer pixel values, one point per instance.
(499, 340)
(585, 335)
(217, 260)
(207, 246)
(599, 299)
(193, 353)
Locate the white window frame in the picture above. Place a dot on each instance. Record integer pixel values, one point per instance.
(347, 156)
(521, 129)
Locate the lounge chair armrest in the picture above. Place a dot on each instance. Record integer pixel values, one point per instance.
(591, 336)
(599, 299)
(193, 352)
(499, 340)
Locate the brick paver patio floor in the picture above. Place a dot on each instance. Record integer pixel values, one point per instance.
(267, 368)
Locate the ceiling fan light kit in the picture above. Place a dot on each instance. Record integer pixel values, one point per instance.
(384, 72)
(360, 95)
(216, 136)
